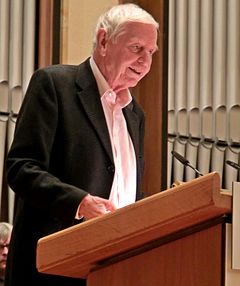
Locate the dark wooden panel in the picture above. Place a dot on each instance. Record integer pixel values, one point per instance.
(45, 38)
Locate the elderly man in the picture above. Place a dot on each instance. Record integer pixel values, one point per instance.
(78, 146)
(5, 236)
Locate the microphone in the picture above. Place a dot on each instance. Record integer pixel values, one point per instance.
(185, 162)
(233, 164)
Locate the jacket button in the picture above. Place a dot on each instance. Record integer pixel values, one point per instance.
(111, 169)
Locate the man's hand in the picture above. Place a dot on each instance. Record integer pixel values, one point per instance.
(93, 206)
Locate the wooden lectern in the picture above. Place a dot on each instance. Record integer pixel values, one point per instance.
(173, 238)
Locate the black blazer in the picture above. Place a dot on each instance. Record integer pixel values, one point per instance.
(61, 151)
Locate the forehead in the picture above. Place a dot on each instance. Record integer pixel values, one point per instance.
(4, 239)
(132, 31)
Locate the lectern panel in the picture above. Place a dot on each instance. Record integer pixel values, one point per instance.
(194, 260)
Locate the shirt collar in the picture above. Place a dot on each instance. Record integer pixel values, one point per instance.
(101, 82)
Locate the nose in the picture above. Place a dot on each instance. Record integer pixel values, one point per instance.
(145, 58)
(5, 249)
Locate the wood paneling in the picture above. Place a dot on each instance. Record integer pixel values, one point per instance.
(45, 45)
(178, 263)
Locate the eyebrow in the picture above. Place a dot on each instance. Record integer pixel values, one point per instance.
(134, 41)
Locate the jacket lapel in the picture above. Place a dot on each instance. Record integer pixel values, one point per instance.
(90, 100)
(133, 126)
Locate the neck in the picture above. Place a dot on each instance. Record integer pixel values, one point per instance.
(2, 274)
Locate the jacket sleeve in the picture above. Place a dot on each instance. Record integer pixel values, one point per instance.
(29, 159)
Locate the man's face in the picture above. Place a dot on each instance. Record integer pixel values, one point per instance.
(3, 253)
(128, 59)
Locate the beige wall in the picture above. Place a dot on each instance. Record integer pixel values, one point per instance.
(77, 27)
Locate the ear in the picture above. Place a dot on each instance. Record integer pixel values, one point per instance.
(102, 41)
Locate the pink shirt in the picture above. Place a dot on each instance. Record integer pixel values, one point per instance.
(123, 191)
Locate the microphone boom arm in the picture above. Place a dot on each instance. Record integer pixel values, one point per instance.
(185, 162)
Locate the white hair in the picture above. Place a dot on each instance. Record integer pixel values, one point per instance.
(5, 230)
(113, 20)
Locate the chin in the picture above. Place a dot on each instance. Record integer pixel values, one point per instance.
(134, 83)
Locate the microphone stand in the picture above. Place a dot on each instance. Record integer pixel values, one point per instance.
(185, 162)
(233, 164)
